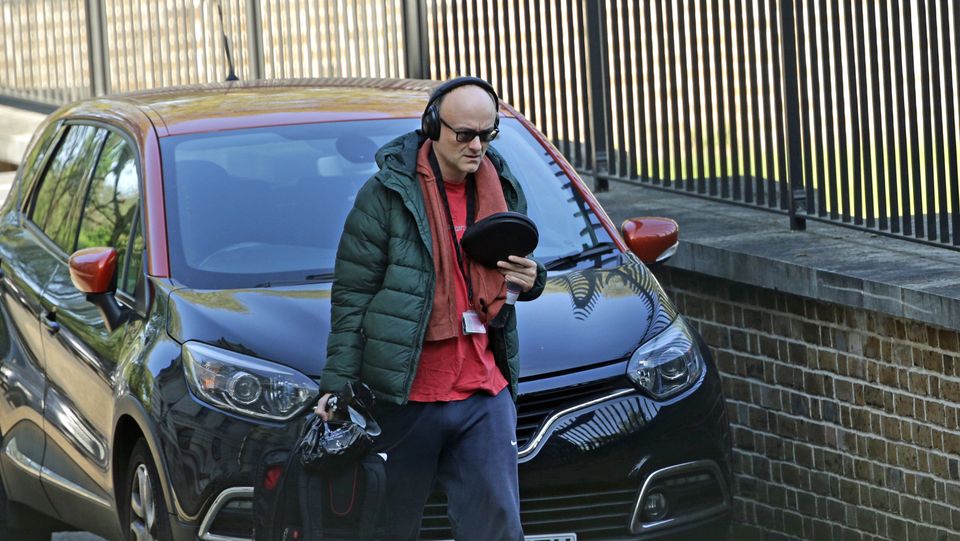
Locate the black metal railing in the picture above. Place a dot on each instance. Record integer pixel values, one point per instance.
(842, 111)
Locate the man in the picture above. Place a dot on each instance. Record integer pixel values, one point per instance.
(411, 318)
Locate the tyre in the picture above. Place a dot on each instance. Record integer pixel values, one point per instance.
(144, 511)
(19, 523)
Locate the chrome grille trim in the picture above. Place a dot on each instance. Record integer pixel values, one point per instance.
(547, 426)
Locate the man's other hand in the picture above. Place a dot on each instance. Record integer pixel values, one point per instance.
(321, 409)
(520, 271)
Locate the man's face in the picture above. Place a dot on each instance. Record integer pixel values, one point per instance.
(464, 108)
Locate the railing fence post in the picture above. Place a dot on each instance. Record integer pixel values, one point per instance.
(97, 48)
(255, 38)
(790, 34)
(596, 40)
(414, 39)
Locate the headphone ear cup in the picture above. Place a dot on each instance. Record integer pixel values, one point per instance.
(430, 123)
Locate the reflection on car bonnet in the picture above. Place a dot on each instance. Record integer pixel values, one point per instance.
(355, 155)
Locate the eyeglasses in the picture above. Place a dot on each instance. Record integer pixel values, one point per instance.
(466, 136)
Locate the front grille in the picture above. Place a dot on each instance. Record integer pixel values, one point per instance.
(591, 512)
(534, 408)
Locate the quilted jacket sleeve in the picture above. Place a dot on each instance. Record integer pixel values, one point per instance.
(358, 276)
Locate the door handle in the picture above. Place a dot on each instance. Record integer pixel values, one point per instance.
(49, 321)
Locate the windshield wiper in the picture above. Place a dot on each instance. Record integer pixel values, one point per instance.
(322, 277)
(571, 259)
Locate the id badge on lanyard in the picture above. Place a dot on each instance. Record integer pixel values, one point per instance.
(472, 323)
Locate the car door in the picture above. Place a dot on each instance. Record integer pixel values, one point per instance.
(37, 221)
(81, 352)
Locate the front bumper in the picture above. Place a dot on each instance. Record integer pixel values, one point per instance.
(589, 467)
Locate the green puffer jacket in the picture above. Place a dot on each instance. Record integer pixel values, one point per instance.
(384, 281)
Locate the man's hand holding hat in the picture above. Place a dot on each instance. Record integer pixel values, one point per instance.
(520, 271)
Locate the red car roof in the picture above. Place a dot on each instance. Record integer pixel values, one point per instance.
(244, 104)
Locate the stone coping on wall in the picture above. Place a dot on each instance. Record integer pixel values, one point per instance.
(826, 262)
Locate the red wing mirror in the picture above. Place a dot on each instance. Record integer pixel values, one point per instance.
(654, 240)
(92, 270)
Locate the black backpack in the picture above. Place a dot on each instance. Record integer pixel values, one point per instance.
(337, 505)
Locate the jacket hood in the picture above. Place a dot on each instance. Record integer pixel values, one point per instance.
(400, 154)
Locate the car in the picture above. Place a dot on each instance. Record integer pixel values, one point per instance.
(166, 262)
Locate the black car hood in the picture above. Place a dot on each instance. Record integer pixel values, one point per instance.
(583, 318)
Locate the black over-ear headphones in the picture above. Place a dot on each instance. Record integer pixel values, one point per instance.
(430, 122)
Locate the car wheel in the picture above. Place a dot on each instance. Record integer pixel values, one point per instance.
(145, 513)
(20, 524)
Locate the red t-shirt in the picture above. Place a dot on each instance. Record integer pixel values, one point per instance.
(456, 368)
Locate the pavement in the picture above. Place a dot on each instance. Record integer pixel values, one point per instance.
(17, 129)
(76, 536)
(828, 262)
(5, 180)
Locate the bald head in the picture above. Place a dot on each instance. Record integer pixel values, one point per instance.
(465, 99)
(465, 108)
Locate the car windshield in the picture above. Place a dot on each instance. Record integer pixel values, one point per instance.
(267, 205)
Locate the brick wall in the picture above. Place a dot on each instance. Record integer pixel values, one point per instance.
(845, 421)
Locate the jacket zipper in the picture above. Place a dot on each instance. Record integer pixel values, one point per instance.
(428, 304)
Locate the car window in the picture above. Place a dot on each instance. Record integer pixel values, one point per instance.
(54, 209)
(251, 206)
(564, 219)
(112, 199)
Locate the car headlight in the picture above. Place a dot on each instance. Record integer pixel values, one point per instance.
(246, 385)
(668, 364)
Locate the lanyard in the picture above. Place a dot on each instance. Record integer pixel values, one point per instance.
(471, 204)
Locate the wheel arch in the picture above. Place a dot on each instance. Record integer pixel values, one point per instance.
(133, 423)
